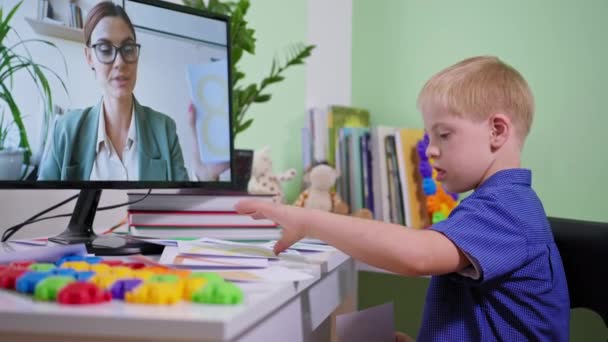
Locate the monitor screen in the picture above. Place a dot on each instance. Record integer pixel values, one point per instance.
(141, 98)
(140, 92)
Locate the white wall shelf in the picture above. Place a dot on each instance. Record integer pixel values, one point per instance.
(55, 30)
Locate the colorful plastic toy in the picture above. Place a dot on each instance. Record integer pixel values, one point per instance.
(27, 282)
(82, 293)
(192, 285)
(42, 267)
(77, 265)
(218, 293)
(48, 289)
(439, 202)
(210, 276)
(121, 287)
(8, 277)
(90, 280)
(155, 293)
(69, 258)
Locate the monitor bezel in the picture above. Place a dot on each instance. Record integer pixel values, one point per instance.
(206, 185)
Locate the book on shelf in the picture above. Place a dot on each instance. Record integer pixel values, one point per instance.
(199, 219)
(413, 197)
(170, 232)
(190, 201)
(339, 117)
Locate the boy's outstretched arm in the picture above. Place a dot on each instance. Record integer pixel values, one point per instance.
(392, 247)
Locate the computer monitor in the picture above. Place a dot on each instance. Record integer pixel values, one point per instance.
(146, 102)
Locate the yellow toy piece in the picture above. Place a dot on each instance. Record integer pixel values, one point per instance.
(143, 274)
(122, 271)
(155, 293)
(104, 280)
(192, 285)
(77, 265)
(100, 268)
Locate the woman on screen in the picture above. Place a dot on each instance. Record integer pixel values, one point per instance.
(118, 139)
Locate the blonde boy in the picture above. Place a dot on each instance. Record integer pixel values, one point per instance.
(497, 273)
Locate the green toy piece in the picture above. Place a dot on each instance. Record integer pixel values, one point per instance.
(41, 267)
(438, 216)
(47, 289)
(218, 293)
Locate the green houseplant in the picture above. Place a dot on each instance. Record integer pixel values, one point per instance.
(243, 41)
(12, 61)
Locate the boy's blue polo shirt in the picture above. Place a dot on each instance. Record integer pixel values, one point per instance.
(520, 293)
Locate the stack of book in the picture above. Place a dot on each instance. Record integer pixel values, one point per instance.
(378, 165)
(190, 215)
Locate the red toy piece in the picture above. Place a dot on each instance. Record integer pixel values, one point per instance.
(83, 293)
(134, 265)
(22, 264)
(112, 262)
(8, 277)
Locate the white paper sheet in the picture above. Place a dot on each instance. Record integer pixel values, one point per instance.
(172, 257)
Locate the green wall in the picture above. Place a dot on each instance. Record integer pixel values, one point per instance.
(561, 48)
(277, 123)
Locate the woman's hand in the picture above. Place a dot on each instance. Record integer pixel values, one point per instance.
(293, 230)
(191, 115)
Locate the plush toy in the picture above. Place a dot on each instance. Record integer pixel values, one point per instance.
(319, 194)
(263, 180)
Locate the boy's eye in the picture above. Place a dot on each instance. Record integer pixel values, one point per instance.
(444, 136)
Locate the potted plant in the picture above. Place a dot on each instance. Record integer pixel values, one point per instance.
(11, 158)
(243, 41)
(13, 62)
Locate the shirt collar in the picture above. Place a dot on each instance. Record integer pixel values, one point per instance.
(102, 137)
(509, 177)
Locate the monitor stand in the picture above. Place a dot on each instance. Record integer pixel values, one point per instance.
(80, 230)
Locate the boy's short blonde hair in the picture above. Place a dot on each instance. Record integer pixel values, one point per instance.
(479, 87)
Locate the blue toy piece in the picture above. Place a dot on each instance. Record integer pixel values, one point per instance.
(428, 186)
(28, 281)
(69, 258)
(92, 260)
(64, 272)
(84, 275)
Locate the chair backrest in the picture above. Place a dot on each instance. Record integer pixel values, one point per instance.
(583, 246)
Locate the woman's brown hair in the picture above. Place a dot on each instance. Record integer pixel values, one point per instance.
(100, 11)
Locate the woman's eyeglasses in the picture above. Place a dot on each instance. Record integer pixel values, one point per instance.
(106, 53)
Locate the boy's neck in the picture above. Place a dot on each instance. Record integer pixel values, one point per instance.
(507, 158)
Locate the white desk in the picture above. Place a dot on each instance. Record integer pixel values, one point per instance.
(271, 312)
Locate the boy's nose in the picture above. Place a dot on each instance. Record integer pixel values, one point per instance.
(432, 151)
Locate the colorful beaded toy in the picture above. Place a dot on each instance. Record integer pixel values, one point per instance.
(439, 202)
(91, 280)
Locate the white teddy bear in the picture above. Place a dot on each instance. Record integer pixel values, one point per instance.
(263, 180)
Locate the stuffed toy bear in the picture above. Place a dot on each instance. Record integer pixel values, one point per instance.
(263, 180)
(319, 194)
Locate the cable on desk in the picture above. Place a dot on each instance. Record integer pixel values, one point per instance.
(12, 230)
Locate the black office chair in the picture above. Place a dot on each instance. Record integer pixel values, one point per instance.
(583, 246)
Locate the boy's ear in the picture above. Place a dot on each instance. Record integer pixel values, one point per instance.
(501, 128)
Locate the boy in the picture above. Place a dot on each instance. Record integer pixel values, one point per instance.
(497, 273)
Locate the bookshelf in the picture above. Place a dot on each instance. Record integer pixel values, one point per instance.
(61, 19)
(55, 30)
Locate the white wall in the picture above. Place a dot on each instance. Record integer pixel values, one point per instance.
(328, 70)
